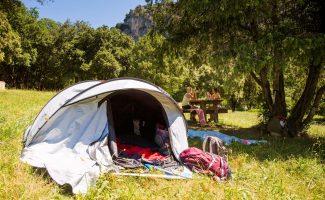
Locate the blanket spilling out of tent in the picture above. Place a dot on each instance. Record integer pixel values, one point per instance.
(226, 138)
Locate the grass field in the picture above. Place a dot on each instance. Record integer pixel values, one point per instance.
(284, 168)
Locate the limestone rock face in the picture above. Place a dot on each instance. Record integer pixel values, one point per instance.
(137, 22)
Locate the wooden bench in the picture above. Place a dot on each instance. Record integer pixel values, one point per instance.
(209, 111)
(220, 110)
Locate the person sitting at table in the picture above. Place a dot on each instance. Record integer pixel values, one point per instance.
(190, 95)
(215, 94)
(208, 95)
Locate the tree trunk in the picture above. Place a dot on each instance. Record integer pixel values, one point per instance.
(233, 103)
(264, 83)
(279, 106)
(314, 108)
(267, 92)
(295, 121)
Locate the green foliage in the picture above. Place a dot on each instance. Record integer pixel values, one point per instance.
(10, 46)
(106, 65)
(53, 55)
(43, 54)
(216, 50)
(265, 39)
(151, 61)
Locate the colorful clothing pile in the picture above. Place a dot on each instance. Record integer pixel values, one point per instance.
(145, 153)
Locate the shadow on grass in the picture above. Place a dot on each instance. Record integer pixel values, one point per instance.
(255, 132)
(65, 189)
(277, 148)
(284, 149)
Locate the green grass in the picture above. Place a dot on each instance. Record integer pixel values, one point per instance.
(239, 119)
(284, 168)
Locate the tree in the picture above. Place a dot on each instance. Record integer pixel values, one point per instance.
(43, 72)
(108, 53)
(106, 65)
(260, 38)
(22, 23)
(10, 46)
(43, 54)
(151, 61)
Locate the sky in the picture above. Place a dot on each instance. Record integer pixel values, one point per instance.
(95, 12)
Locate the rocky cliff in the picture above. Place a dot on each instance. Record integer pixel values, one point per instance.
(137, 22)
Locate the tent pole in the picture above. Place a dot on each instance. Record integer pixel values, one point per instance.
(149, 175)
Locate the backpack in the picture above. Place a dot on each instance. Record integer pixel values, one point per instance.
(216, 146)
(204, 162)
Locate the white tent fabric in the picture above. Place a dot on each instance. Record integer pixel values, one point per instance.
(53, 105)
(69, 136)
(116, 85)
(66, 150)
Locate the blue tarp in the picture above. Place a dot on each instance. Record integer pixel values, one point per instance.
(226, 138)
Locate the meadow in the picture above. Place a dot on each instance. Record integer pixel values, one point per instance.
(284, 168)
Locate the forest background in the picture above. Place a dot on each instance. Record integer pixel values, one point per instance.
(262, 55)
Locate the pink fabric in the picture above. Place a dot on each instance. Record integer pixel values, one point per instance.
(199, 161)
(201, 115)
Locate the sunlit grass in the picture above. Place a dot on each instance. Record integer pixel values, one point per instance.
(17, 110)
(242, 119)
(316, 130)
(239, 119)
(284, 168)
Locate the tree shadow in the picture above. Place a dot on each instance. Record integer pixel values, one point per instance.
(65, 189)
(254, 132)
(283, 149)
(276, 148)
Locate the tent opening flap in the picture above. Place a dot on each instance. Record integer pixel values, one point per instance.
(132, 108)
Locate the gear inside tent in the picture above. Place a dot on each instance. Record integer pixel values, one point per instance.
(97, 126)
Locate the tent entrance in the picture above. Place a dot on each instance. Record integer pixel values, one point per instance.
(129, 107)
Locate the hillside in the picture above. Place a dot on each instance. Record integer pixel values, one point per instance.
(137, 22)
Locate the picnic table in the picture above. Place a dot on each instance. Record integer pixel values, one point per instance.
(208, 106)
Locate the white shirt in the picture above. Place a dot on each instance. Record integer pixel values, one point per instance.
(186, 100)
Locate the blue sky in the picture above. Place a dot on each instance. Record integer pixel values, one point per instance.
(95, 12)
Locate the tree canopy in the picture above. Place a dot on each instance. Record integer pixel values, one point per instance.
(262, 54)
(264, 39)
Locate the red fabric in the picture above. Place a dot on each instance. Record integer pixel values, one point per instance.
(143, 152)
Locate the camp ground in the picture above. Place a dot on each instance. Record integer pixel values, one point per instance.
(160, 99)
(262, 165)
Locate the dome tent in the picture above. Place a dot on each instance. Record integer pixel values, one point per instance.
(73, 136)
